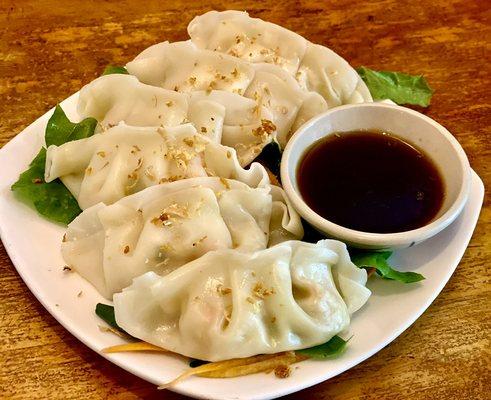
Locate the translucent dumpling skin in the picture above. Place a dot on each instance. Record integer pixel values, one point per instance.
(230, 304)
(165, 226)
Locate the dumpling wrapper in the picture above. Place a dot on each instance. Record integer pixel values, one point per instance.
(316, 67)
(183, 67)
(252, 39)
(325, 72)
(165, 226)
(222, 116)
(126, 159)
(230, 304)
(116, 98)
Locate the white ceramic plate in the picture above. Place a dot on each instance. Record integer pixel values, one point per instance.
(33, 245)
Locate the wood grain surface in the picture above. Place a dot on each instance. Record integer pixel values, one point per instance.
(49, 49)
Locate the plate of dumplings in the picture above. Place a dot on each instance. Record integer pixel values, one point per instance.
(145, 216)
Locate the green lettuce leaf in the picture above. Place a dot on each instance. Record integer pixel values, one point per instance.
(106, 313)
(378, 260)
(52, 200)
(60, 129)
(332, 348)
(397, 86)
(114, 69)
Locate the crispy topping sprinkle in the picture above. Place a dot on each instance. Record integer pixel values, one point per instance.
(101, 154)
(198, 242)
(263, 131)
(166, 248)
(261, 292)
(223, 290)
(66, 268)
(188, 141)
(126, 249)
(282, 371)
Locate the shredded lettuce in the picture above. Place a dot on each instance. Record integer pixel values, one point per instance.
(332, 348)
(114, 69)
(52, 200)
(378, 261)
(397, 86)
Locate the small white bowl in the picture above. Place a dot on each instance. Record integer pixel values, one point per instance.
(411, 126)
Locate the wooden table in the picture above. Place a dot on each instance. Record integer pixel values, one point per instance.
(49, 50)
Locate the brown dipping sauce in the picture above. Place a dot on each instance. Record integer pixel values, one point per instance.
(371, 182)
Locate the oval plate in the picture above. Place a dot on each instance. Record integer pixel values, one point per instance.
(33, 245)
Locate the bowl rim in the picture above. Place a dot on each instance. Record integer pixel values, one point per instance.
(369, 239)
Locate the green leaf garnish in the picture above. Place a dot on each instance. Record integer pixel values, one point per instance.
(60, 129)
(332, 348)
(106, 313)
(397, 86)
(52, 200)
(378, 260)
(114, 69)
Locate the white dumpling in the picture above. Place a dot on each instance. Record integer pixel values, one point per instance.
(247, 125)
(114, 98)
(313, 104)
(165, 226)
(252, 39)
(316, 67)
(325, 72)
(278, 94)
(230, 304)
(125, 159)
(182, 67)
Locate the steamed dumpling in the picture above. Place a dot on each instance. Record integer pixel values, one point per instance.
(222, 116)
(229, 304)
(325, 72)
(114, 98)
(165, 226)
(252, 39)
(182, 67)
(316, 67)
(284, 101)
(125, 159)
